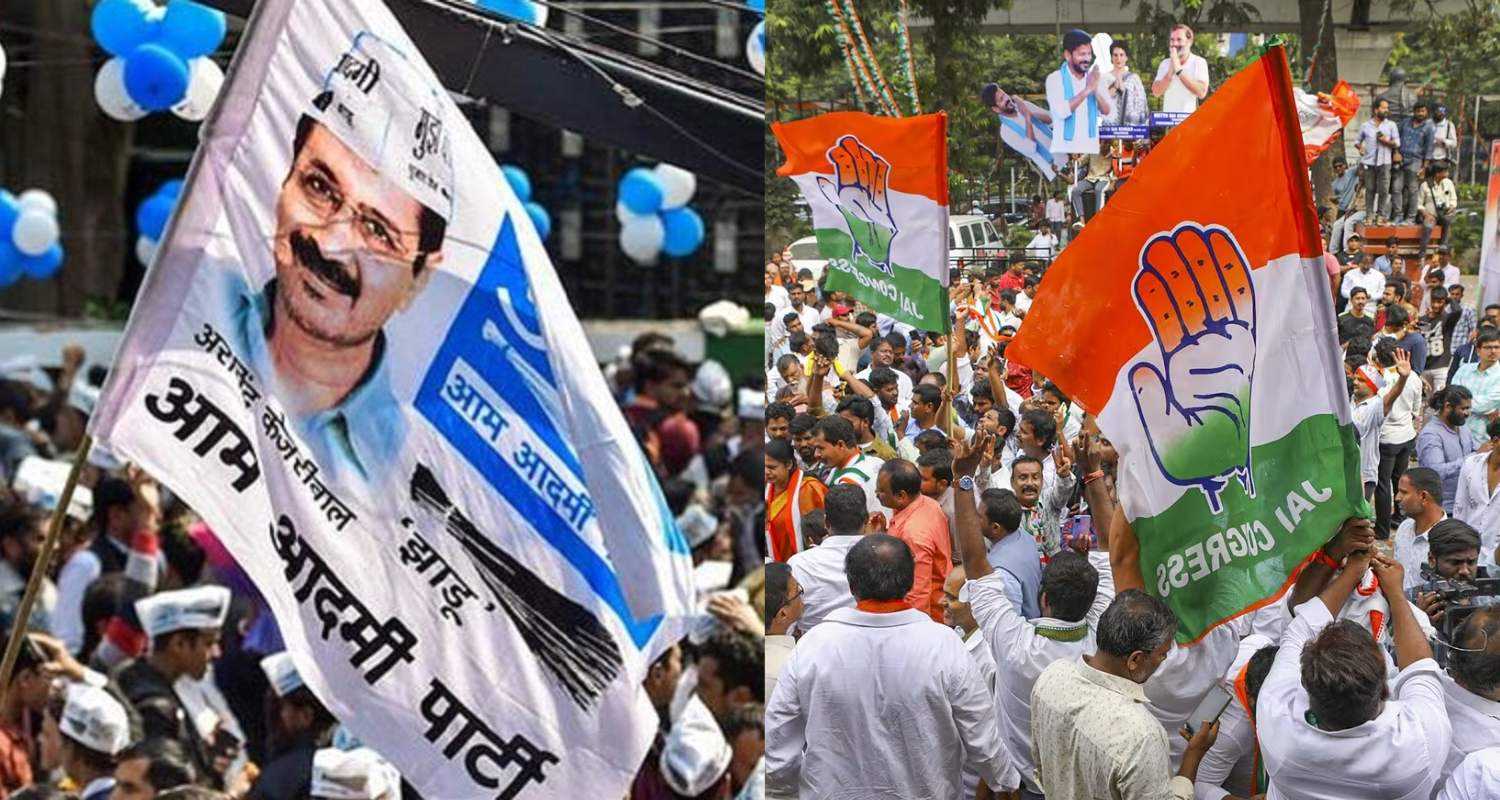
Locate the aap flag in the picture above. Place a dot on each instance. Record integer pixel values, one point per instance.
(878, 190)
(354, 359)
(1220, 382)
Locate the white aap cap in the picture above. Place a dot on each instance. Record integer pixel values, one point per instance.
(199, 608)
(282, 673)
(695, 754)
(382, 106)
(353, 775)
(94, 719)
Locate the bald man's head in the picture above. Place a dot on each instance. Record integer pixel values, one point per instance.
(879, 567)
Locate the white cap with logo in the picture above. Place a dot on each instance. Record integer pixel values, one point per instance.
(95, 719)
(282, 673)
(199, 608)
(381, 106)
(695, 754)
(353, 775)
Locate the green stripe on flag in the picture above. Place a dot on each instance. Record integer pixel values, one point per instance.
(1209, 567)
(910, 295)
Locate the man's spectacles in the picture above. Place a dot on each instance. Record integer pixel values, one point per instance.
(315, 189)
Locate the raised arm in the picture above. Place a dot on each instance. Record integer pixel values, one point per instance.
(966, 458)
(1403, 368)
(1124, 554)
(1411, 642)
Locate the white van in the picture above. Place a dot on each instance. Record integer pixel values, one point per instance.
(973, 240)
(805, 255)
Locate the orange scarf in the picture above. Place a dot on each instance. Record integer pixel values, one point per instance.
(882, 606)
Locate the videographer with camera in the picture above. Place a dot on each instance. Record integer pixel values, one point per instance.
(1453, 583)
(1471, 686)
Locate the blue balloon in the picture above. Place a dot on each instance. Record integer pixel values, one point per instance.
(519, 10)
(10, 261)
(640, 191)
(151, 217)
(171, 188)
(684, 232)
(44, 265)
(120, 26)
(758, 6)
(10, 210)
(519, 181)
(155, 77)
(540, 219)
(191, 30)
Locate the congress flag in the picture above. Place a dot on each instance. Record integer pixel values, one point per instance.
(353, 358)
(878, 190)
(1323, 116)
(1193, 317)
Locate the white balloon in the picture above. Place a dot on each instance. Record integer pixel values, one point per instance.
(38, 199)
(755, 49)
(110, 92)
(3, 62)
(204, 80)
(145, 250)
(624, 215)
(641, 238)
(35, 231)
(677, 185)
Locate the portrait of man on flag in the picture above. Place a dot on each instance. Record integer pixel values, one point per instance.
(1076, 98)
(358, 230)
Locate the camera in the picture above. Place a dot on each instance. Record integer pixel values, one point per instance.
(1460, 598)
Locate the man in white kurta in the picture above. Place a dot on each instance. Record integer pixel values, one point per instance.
(820, 570)
(1471, 692)
(1076, 97)
(880, 702)
(1477, 778)
(1398, 754)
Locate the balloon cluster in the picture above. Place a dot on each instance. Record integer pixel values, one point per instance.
(151, 219)
(30, 243)
(160, 58)
(653, 213)
(520, 183)
(519, 10)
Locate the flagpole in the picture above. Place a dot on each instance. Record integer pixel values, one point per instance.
(39, 569)
(952, 371)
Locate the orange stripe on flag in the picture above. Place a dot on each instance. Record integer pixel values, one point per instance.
(916, 147)
(1236, 162)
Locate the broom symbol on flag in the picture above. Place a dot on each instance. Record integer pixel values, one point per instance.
(1195, 291)
(860, 195)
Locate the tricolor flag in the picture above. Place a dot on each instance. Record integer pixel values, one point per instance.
(1323, 117)
(878, 189)
(1193, 317)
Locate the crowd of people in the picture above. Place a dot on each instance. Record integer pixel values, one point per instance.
(951, 614)
(151, 667)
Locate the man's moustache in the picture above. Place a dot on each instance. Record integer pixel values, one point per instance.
(343, 279)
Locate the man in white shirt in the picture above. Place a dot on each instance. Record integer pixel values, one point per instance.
(1471, 687)
(1444, 136)
(1364, 277)
(838, 448)
(1327, 726)
(1369, 411)
(884, 355)
(1419, 493)
(879, 701)
(809, 315)
(1398, 434)
(784, 606)
(1477, 778)
(1042, 245)
(819, 571)
(1477, 501)
(1075, 592)
(958, 616)
(1057, 213)
(1076, 98)
(1378, 140)
(1182, 78)
(776, 294)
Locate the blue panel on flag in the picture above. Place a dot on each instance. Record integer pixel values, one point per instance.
(490, 393)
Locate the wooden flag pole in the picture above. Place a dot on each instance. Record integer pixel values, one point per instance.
(39, 570)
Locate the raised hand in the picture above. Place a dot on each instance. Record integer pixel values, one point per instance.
(968, 455)
(859, 191)
(1195, 291)
(1403, 362)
